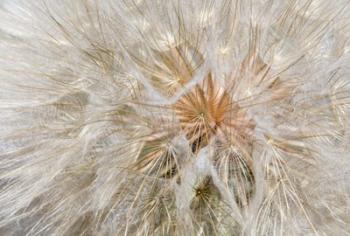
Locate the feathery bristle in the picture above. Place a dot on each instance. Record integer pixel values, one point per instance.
(177, 117)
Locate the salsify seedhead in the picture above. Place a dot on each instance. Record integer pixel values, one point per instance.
(177, 117)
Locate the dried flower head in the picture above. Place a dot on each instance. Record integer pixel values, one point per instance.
(179, 117)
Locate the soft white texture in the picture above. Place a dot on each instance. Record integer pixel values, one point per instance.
(86, 92)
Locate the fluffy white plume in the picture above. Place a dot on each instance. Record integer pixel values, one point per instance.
(174, 117)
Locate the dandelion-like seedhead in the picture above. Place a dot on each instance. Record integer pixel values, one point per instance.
(198, 117)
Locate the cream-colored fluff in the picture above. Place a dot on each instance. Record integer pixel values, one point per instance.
(174, 117)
